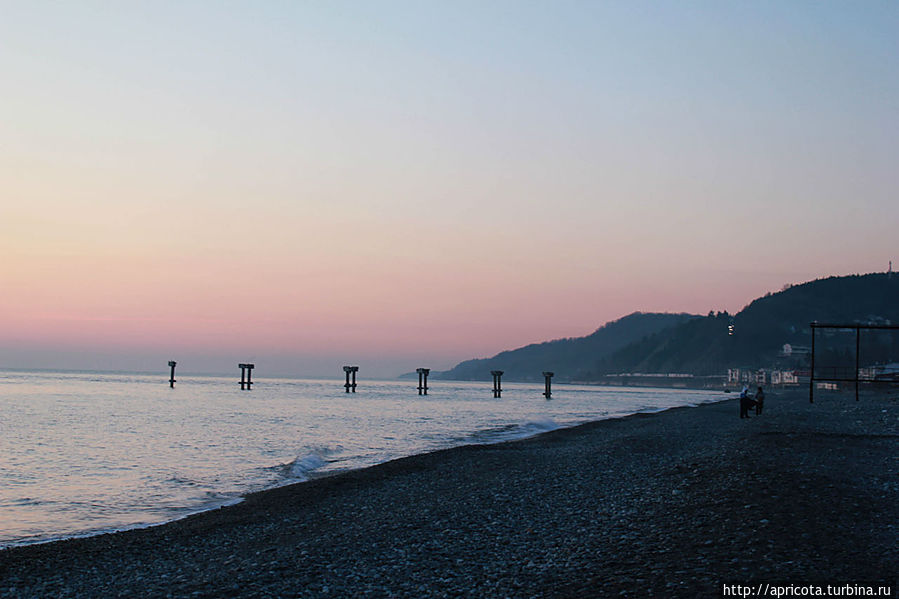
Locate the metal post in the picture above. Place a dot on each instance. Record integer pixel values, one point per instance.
(346, 385)
(857, 345)
(172, 376)
(548, 392)
(811, 373)
(243, 373)
(355, 368)
(250, 368)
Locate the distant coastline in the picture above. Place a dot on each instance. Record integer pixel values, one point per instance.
(760, 337)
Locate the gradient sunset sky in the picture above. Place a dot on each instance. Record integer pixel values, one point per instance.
(404, 184)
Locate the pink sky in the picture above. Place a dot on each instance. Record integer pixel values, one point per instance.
(417, 188)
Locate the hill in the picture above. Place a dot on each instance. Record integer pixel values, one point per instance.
(703, 346)
(571, 358)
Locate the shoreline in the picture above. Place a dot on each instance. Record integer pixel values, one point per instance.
(316, 474)
(660, 502)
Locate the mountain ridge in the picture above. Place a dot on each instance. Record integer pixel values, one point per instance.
(708, 345)
(569, 357)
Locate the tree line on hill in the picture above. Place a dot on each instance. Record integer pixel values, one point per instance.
(709, 345)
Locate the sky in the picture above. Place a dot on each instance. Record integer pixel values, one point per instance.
(404, 184)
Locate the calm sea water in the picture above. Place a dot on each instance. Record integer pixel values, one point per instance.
(82, 453)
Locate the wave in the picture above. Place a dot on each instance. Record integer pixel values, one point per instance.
(300, 469)
(511, 432)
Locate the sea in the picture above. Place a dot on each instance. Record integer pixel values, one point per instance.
(83, 453)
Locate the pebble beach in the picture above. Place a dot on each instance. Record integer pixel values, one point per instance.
(672, 504)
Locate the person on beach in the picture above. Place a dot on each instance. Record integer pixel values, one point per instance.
(759, 401)
(746, 402)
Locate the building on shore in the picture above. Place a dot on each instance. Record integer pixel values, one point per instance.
(795, 351)
(762, 377)
(784, 377)
(887, 372)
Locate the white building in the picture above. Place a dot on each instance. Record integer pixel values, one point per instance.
(761, 377)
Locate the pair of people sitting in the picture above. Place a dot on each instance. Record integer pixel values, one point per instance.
(747, 402)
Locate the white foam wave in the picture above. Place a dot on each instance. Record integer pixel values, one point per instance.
(300, 468)
(536, 427)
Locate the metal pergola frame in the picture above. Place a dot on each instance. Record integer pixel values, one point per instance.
(858, 328)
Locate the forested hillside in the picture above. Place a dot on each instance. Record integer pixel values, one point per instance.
(704, 346)
(569, 358)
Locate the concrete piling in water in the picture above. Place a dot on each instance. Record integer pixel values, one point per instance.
(547, 376)
(350, 372)
(423, 380)
(172, 364)
(246, 376)
(497, 383)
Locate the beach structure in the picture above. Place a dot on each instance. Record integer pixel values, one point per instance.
(172, 364)
(840, 375)
(423, 380)
(246, 381)
(350, 371)
(497, 383)
(547, 376)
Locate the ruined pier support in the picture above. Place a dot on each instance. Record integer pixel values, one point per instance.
(497, 383)
(350, 371)
(423, 380)
(547, 377)
(246, 375)
(172, 364)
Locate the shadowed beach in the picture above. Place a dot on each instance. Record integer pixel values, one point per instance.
(669, 504)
